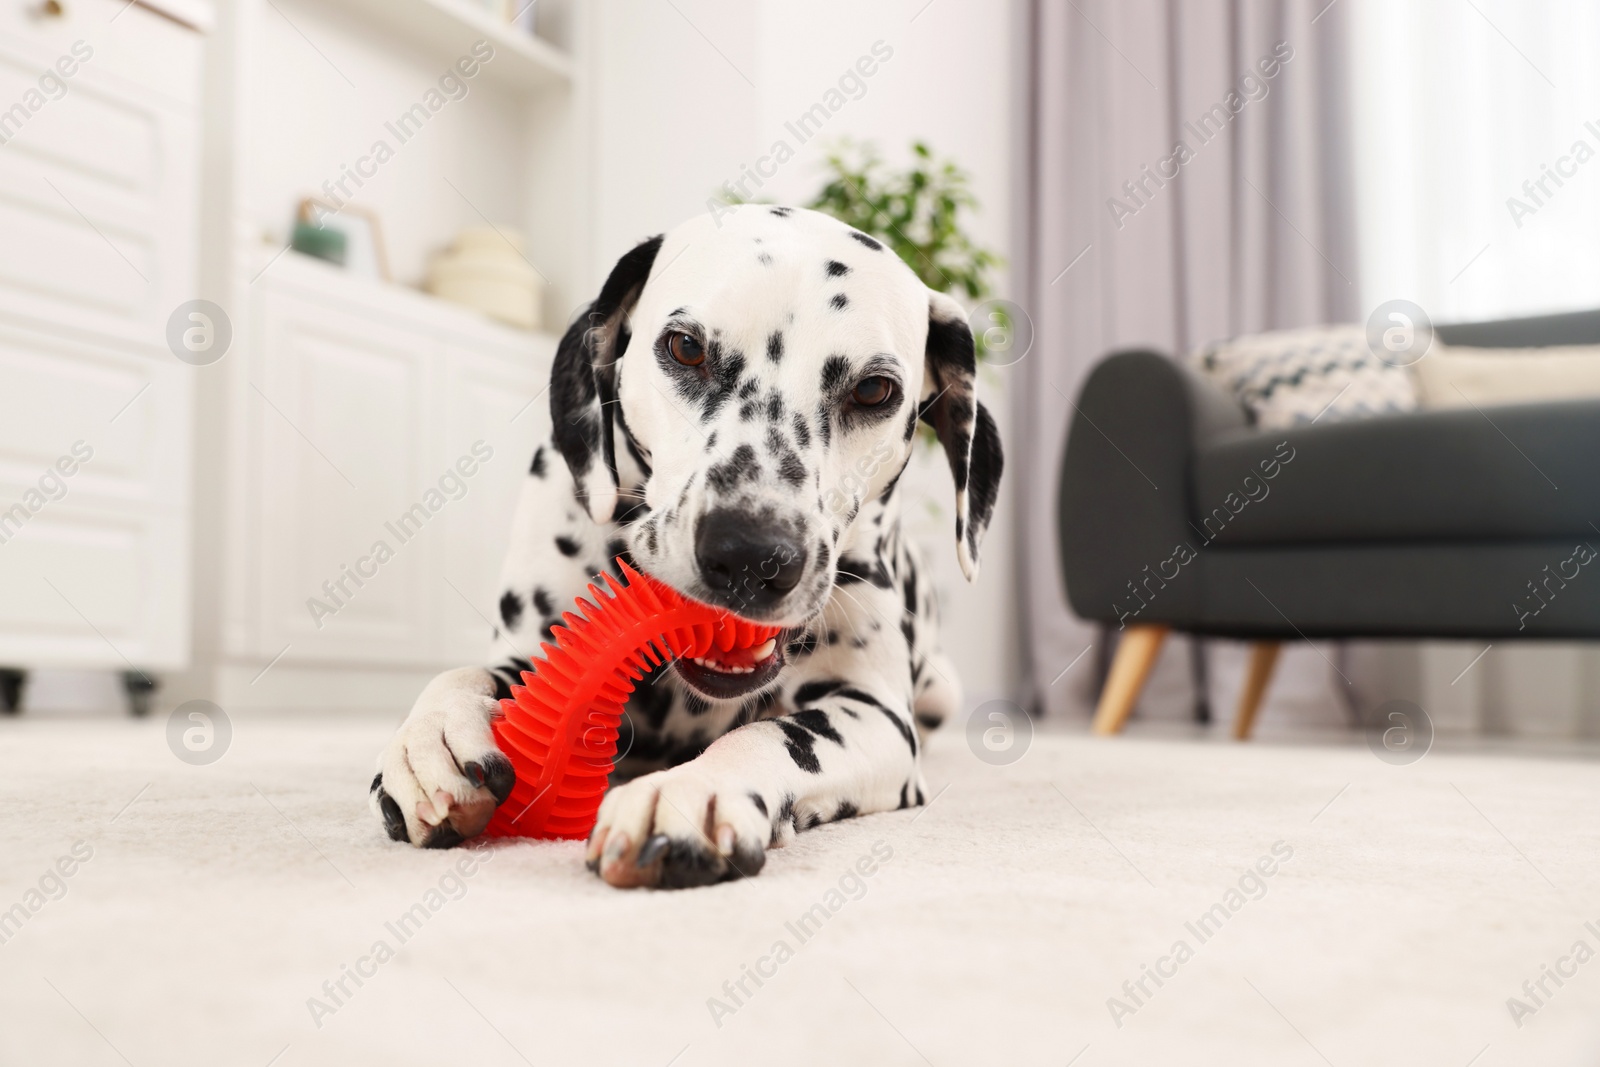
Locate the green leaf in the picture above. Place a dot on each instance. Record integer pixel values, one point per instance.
(917, 211)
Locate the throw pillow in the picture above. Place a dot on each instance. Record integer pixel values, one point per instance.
(1318, 374)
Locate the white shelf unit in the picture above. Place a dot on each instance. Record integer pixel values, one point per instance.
(346, 399)
(449, 27)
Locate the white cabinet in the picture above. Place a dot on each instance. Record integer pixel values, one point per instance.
(99, 129)
(348, 536)
(223, 523)
(377, 440)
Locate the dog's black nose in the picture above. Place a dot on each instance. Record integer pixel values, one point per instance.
(749, 563)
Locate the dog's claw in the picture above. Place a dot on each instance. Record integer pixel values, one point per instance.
(653, 850)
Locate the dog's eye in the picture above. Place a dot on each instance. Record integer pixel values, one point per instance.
(873, 391)
(686, 349)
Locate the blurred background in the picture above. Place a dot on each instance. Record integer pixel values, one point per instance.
(271, 267)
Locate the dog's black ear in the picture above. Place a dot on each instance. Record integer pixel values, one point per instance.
(583, 381)
(964, 426)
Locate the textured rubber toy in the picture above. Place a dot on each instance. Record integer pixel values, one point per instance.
(559, 727)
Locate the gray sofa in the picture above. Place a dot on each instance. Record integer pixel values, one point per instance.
(1176, 513)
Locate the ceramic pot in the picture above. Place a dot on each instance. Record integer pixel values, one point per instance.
(485, 269)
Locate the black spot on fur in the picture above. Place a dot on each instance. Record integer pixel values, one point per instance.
(802, 432)
(747, 411)
(725, 375)
(814, 691)
(583, 378)
(761, 805)
(837, 269)
(629, 509)
(695, 704)
(888, 490)
(851, 693)
(616, 549)
(775, 407)
(749, 389)
(801, 745)
(765, 259)
(803, 645)
(568, 546)
(984, 485)
(864, 239)
(538, 467)
(510, 609)
(791, 470)
(742, 466)
(852, 571)
(905, 731)
(835, 369)
(816, 720)
(775, 346)
(541, 601)
(783, 212)
(950, 350)
(839, 301)
(905, 801)
(508, 674)
(785, 815)
(845, 810)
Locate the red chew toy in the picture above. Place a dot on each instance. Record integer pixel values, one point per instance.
(559, 727)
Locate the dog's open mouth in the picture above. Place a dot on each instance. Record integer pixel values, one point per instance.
(729, 675)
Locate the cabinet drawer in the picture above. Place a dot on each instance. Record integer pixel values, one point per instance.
(130, 45)
(97, 170)
(128, 411)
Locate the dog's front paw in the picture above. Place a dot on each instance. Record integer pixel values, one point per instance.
(441, 777)
(679, 828)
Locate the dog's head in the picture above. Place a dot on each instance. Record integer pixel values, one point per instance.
(760, 378)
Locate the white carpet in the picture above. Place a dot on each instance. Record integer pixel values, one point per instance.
(218, 903)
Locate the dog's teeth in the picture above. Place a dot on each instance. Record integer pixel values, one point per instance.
(761, 652)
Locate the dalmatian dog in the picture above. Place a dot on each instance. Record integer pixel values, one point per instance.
(732, 415)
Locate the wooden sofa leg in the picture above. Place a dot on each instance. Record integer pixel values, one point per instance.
(1258, 675)
(1136, 654)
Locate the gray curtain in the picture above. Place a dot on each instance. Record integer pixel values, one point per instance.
(1131, 240)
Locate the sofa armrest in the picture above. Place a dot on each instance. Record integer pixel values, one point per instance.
(1125, 500)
